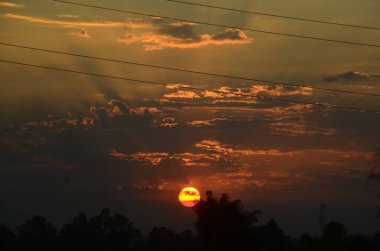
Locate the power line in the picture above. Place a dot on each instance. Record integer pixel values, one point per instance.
(187, 71)
(222, 26)
(275, 15)
(331, 106)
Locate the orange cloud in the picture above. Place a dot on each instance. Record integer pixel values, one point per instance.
(176, 86)
(67, 16)
(260, 90)
(200, 123)
(104, 24)
(143, 110)
(216, 146)
(169, 124)
(301, 128)
(155, 158)
(211, 94)
(280, 90)
(160, 35)
(182, 94)
(182, 36)
(10, 4)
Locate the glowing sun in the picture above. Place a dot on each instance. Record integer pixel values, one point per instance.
(189, 196)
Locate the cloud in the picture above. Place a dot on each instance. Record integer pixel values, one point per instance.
(81, 34)
(352, 76)
(278, 174)
(186, 159)
(201, 123)
(158, 184)
(67, 16)
(216, 146)
(183, 36)
(301, 128)
(169, 124)
(231, 35)
(104, 24)
(255, 90)
(176, 86)
(10, 4)
(212, 94)
(182, 94)
(154, 158)
(241, 98)
(117, 114)
(280, 90)
(153, 34)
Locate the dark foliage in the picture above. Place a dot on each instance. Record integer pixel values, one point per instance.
(7, 238)
(221, 225)
(36, 234)
(103, 232)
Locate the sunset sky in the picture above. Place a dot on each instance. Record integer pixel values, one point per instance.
(71, 143)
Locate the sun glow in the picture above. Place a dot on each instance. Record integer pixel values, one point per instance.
(189, 197)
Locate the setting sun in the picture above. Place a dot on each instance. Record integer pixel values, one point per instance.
(189, 196)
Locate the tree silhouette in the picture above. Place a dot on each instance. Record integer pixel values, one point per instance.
(163, 239)
(37, 234)
(75, 236)
(103, 232)
(333, 237)
(7, 238)
(270, 237)
(223, 225)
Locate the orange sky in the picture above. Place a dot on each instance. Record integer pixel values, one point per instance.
(112, 141)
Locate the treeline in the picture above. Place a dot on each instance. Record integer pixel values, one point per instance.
(221, 224)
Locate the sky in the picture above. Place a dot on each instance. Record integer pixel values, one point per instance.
(72, 143)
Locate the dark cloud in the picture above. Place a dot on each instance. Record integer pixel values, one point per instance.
(352, 76)
(230, 34)
(181, 35)
(183, 31)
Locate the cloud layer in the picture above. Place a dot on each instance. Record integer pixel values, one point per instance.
(352, 76)
(154, 34)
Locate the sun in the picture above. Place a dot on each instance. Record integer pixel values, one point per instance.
(189, 197)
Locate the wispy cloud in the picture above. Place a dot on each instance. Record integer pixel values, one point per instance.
(277, 91)
(216, 146)
(182, 94)
(300, 128)
(67, 16)
(201, 123)
(154, 34)
(78, 23)
(10, 4)
(352, 76)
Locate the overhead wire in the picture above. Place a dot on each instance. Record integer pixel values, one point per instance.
(221, 25)
(189, 71)
(276, 15)
(331, 106)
